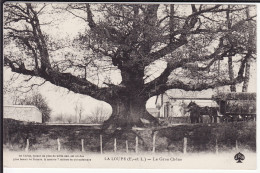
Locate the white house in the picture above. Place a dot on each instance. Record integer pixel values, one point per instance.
(169, 106)
(153, 111)
(26, 113)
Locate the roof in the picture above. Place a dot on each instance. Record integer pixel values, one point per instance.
(152, 110)
(21, 106)
(203, 103)
(21, 109)
(235, 96)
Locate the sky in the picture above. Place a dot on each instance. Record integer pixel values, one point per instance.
(63, 101)
(60, 100)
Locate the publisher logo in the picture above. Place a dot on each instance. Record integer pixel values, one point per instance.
(239, 157)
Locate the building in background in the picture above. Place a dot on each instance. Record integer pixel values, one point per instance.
(25, 113)
(237, 104)
(154, 111)
(170, 106)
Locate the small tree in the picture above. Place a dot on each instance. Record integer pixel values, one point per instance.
(58, 118)
(39, 101)
(81, 110)
(70, 119)
(78, 112)
(99, 115)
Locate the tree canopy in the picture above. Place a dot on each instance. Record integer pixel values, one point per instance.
(154, 48)
(40, 102)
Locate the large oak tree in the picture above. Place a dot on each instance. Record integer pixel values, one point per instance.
(192, 43)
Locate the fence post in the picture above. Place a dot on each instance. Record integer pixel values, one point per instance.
(82, 145)
(216, 146)
(184, 145)
(27, 145)
(154, 136)
(101, 151)
(126, 145)
(58, 141)
(136, 144)
(115, 145)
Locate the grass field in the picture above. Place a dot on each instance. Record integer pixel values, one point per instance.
(200, 138)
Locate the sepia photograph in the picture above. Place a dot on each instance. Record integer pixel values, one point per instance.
(129, 85)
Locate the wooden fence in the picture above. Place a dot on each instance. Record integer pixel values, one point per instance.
(178, 138)
(154, 145)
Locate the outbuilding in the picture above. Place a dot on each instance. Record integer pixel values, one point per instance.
(25, 113)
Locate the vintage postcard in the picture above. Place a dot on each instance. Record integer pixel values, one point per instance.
(130, 85)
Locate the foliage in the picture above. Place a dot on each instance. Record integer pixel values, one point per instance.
(40, 102)
(234, 96)
(98, 115)
(151, 48)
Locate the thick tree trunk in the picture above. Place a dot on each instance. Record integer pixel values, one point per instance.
(250, 50)
(129, 111)
(231, 74)
(128, 102)
(247, 76)
(230, 65)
